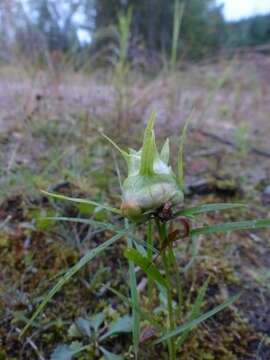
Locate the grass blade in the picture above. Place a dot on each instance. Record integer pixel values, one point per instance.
(134, 300)
(177, 21)
(81, 201)
(196, 308)
(180, 160)
(5, 222)
(102, 226)
(146, 265)
(193, 323)
(165, 152)
(233, 226)
(94, 223)
(201, 209)
(71, 272)
(149, 148)
(122, 152)
(143, 314)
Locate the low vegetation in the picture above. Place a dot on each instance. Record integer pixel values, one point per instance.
(117, 243)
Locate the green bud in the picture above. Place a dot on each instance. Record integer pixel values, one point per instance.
(150, 182)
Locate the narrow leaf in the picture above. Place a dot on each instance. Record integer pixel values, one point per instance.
(201, 209)
(196, 308)
(81, 201)
(62, 352)
(233, 226)
(122, 152)
(110, 356)
(96, 321)
(66, 352)
(121, 325)
(165, 152)
(84, 326)
(146, 265)
(193, 323)
(4, 223)
(134, 300)
(177, 20)
(149, 148)
(142, 313)
(180, 160)
(70, 273)
(93, 223)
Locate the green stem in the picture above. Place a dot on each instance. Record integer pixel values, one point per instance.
(150, 257)
(166, 264)
(134, 300)
(194, 253)
(179, 287)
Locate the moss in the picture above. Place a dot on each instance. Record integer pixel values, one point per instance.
(29, 271)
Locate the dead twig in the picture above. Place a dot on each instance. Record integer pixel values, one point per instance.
(31, 343)
(224, 141)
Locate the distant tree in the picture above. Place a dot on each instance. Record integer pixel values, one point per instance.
(249, 32)
(203, 25)
(54, 20)
(204, 28)
(38, 27)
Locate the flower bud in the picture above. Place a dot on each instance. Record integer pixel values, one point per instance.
(150, 182)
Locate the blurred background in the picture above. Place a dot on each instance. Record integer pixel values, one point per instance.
(69, 69)
(83, 31)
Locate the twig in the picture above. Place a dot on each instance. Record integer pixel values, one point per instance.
(254, 150)
(30, 342)
(12, 159)
(7, 219)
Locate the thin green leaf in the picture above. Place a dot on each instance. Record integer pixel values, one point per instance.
(146, 265)
(233, 226)
(180, 160)
(96, 321)
(121, 325)
(149, 148)
(196, 308)
(62, 352)
(165, 152)
(5, 222)
(93, 223)
(117, 293)
(123, 32)
(143, 314)
(193, 323)
(70, 273)
(201, 209)
(134, 299)
(73, 332)
(199, 300)
(122, 152)
(81, 201)
(84, 326)
(66, 352)
(110, 356)
(177, 21)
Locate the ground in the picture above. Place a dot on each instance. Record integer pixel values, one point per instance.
(50, 139)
